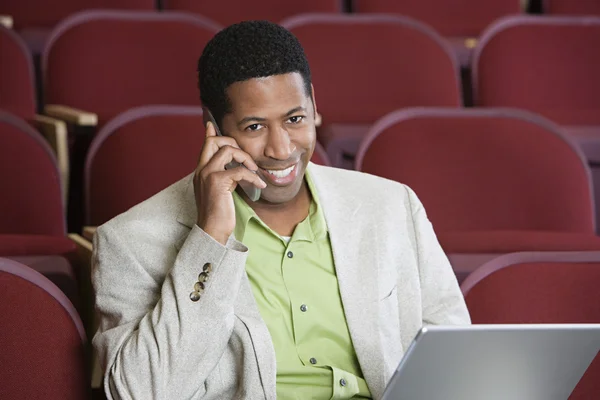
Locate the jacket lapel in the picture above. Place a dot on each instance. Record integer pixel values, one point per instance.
(356, 271)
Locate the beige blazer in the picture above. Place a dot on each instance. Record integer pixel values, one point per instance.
(155, 343)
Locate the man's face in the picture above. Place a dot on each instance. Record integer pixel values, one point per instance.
(273, 120)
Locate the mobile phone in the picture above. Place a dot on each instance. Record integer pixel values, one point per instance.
(251, 191)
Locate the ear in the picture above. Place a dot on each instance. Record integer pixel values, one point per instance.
(318, 119)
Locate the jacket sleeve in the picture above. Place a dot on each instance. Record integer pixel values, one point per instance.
(442, 300)
(155, 342)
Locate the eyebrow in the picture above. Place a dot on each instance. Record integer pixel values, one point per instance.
(245, 120)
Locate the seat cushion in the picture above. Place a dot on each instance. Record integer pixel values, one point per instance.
(35, 245)
(513, 241)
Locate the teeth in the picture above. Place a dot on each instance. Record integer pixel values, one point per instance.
(281, 173)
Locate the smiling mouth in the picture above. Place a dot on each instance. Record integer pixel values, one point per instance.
(281, 173)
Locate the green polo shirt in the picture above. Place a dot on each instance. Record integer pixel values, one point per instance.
(296, 289)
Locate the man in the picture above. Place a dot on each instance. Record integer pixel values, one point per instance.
(313, 291)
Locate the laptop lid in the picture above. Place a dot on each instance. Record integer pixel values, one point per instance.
(477, 362)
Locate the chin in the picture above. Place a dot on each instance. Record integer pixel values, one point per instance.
(280, 195)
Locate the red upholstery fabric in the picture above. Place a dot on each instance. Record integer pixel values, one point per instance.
(449, 17)
(31, 200)
(138, 154)
(228, 12)
(574, 7)
(17, 90)
(108, 62)
(42, 339)
(42, 13)
(511, 241)
(548, 65)
(482, 169)
(365, 66)
(35, 245)
(320, 156)
(533, 288)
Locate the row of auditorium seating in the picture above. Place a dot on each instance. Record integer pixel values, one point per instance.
(451, 18)
(493, 180)
(44, 342)
(99, 62)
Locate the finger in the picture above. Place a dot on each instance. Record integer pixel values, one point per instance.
(227, 154)
(239, 174)
(211, 145)
(210, 129)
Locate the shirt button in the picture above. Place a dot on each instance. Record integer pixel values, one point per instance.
(303, 308)
(313, 361)
(290, 254)
(343, 382)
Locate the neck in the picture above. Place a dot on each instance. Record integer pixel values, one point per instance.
(283, 217)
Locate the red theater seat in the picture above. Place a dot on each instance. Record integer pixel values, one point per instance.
(457, 20)
(492, 181)
(31, 200)
(228, 12)
(540, 288)
(42, 338)
(484, 169)
(34, 19)
(548, 65)
(17, 87)
(107, 62)
(364, 66)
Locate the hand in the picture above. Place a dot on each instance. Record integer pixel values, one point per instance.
(214, 185)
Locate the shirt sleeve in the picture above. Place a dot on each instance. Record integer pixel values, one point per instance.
(153, 340)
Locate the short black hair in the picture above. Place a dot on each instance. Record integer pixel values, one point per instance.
(249, 49)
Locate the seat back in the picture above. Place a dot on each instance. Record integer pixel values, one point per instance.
(41, 13)
(42, 338)
(548, 65)
(483, 169)
(31, 200)
(368, 65)
(573, 7)
(108, 62)
(138, 154)
(539, 288)
(448, 17)
(17, 87)
(228, 12)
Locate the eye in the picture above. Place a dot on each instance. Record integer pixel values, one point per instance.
(296, 119)
(253, 127)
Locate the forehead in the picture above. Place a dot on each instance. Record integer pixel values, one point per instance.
(283, 92)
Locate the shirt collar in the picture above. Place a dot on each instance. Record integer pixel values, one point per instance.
(312, 228)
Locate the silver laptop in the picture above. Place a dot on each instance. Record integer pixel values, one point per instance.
(495, 362)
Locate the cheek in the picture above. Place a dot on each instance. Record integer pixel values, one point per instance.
(254, 147)
(306, 139)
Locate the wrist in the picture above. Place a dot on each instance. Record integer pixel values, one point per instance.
(215, 234)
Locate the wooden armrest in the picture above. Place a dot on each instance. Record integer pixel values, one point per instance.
(6, 21)
(71, 115)
(55, 132)
(470, 43)
(88, 232)
(318, 120)
(83, 262)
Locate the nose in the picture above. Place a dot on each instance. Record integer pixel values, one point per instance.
(279, 146)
